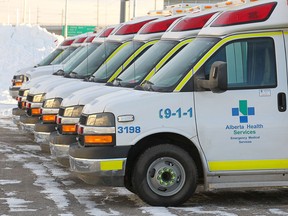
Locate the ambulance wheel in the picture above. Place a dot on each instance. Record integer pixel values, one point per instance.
(165, 175)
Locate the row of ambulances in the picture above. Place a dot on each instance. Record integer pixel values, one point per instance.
(182, 111)
(63, 64)
(179, 34)
(140, 44)
(213, 115)
(118, 45)
(19, 77)
(57, 60)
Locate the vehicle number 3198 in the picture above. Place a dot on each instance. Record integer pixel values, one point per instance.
(129, 129)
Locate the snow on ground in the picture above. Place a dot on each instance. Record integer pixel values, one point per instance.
(22, 46)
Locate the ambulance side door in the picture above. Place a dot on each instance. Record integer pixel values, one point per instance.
(244, 128)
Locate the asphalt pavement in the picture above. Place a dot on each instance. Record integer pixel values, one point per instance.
(32, 183)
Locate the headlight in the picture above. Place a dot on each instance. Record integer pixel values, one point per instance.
(74, 111)
(26, 92)
(38, 98)
(52, 103)
(18, 80)
(101, 120)
(23, 92)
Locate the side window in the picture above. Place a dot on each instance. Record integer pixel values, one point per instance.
(250, 63)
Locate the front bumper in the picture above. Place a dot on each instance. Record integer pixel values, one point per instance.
(59, 147)
(16, 113)
(99, 165)
(42, 135)
(28, 122)
(13, 91)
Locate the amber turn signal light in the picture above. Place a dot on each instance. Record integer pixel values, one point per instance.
(36, 111)
(69, 128)
(49, 118)
(18, 84)
(96, 139)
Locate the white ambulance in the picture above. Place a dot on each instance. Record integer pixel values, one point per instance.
(92, 42)
(86, 48)
(175, 39)
(117, 41)
(19, 77)
(83, 51)
(216, 115)
(145, 39)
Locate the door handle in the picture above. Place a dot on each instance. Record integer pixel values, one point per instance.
(282, 102)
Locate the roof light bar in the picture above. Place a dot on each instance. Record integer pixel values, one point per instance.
(192, 23)
(158, 26)
(159, 12)
(106, 32)
(90, 39)
(168, 12)
(67, 42)
(198, 8)
(181, 5)
(259, 13)
(80, 40)
(231, 2)
(131, 28)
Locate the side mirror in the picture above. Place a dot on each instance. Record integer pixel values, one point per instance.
(217, 79)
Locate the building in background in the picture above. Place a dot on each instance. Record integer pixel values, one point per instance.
(169, 2)
(82, 15)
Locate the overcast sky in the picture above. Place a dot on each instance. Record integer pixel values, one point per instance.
(80, 12)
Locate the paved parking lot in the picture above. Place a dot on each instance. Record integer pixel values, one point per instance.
(31, 183)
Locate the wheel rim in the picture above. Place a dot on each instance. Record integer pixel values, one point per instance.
(166, 176)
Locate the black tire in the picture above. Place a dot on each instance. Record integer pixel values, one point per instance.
(128, 186)
(165, 175)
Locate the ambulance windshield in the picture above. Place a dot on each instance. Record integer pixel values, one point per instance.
(50, 57)
(109, 68)
(96, 59)
(84, 52)
(136, 72)
(63, 55)
(175, 70)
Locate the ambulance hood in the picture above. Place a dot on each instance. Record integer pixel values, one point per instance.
(86, 95)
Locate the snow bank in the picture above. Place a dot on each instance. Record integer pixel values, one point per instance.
(21, 46)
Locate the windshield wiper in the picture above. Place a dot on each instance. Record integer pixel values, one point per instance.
(89, 78)
(139, 87)
(59, 73)
(71, 75)
(117, 82)
(148, 86)
(99, 80)
(84, 77)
